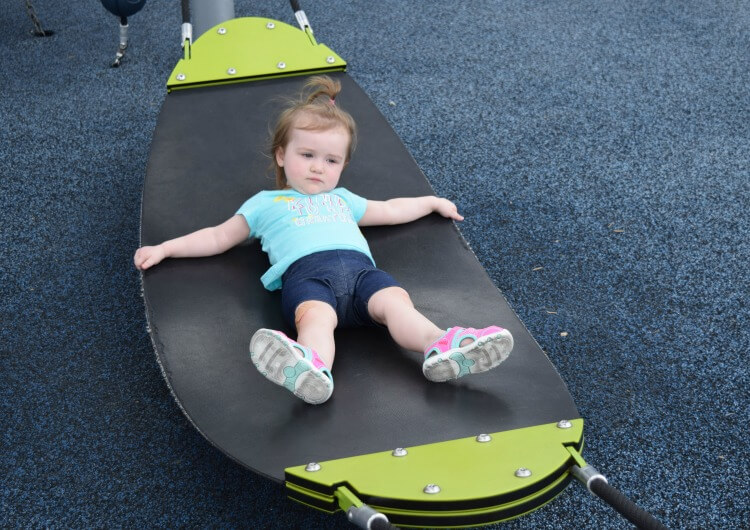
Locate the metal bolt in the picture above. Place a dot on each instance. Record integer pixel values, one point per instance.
(232, 71)
(483, 438)
(222, 31)
(432, 489)
(270, 25)
(564, 424)
(522, 472)
(312, 467)
(331, 59)
(399, 451)
(281, 65)
(180, 77)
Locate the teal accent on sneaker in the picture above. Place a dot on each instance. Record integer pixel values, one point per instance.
(291, 365)
(464, 364)
(447, 359)
(292, 373)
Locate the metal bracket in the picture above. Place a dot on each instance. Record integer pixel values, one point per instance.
(187, 38)
(582, 471)
(304, 24)
(358, 513)
(302, 20)
(221, 54)
(123, 45)
(187, 33)
(497, 477)
(587, 475)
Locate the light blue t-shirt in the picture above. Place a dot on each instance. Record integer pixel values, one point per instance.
(291, 225)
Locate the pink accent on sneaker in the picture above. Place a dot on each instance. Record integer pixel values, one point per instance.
(316, 361)
(454, 336)
(447, 359)
(289, 364)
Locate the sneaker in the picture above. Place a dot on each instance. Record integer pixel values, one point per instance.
(291, 365)
(446, 359)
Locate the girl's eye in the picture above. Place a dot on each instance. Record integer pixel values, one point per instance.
(333, 161)
(307, 155)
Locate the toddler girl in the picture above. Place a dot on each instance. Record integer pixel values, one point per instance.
(320, 260)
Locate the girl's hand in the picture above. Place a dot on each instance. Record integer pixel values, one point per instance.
(447, 209)
(146, 257)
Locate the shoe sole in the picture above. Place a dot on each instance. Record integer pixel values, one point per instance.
(476, 357)
(280, 363)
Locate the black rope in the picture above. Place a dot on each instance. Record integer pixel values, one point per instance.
(624, 506)
(185, 11)
(381, 524)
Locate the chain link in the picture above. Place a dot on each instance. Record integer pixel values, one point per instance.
(38, 31)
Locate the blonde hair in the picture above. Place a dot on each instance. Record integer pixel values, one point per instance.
(314, 110)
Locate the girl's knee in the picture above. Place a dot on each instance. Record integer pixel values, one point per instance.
(385, 299)
(399, 294)
(315, 312)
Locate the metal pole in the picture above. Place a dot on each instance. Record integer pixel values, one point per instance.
(205, 14)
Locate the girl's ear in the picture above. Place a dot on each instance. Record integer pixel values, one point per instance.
(280, 157)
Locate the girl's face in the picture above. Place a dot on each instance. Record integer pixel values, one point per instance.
(313, 160)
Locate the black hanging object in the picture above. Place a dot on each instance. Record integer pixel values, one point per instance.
(122, 9)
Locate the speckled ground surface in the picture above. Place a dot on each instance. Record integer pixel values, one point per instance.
(599, 151)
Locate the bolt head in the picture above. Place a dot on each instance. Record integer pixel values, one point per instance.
(281, 65)
(270, 25)
(399, 451)
(330, 59)
(221, 31)
(432, 489)
(564, 424)
(180, 77)
(522, 472)
(232, 71)
(484, 438)
(312, 467)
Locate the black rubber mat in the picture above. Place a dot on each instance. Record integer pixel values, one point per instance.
(207, 158)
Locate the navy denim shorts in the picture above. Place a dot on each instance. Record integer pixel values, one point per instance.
(344, 279)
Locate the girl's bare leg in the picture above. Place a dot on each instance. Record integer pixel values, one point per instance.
(409, 328)
(315, 323)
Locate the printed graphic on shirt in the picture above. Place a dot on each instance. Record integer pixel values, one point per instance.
(323, 208)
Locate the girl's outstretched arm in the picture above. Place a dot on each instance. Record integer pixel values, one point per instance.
(407, 209)
(204, 242)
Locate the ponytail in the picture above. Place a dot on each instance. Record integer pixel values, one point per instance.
(322, 86)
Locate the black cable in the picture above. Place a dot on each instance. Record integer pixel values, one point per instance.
(624, 506)
(295, 5)
(185, 11)
(381, 524)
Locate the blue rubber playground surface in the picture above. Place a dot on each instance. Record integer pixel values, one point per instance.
(599, 150)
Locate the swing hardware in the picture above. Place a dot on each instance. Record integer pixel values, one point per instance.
(187, 33)
(587, 474)
(359, 513)
(598, 485)
(302, 20)
(123, 43)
